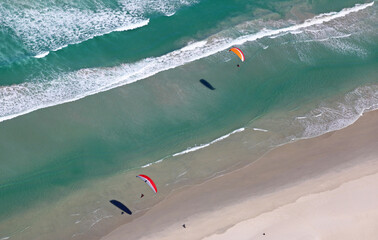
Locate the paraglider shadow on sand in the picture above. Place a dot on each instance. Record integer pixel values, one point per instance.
(121, 206)
(207, 84)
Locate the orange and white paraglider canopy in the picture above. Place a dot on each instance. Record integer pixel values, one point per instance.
(238, 52)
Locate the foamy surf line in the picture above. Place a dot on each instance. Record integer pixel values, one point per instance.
(24, 98)
(192, 149)
(342, 114)
(358, 106)
(119, 29)
(42, 54)
(260, 129)
(196, 148)
(47, 28)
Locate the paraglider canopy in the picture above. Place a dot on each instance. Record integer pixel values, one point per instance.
(149, 181)
(238, 52)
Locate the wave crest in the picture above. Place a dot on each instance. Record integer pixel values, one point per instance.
(20, 99)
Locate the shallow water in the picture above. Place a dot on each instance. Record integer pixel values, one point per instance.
(135, 97)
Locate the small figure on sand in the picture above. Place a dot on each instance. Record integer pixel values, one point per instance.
(142, 195)
(263, 233)
(122, 212)
(183, 226)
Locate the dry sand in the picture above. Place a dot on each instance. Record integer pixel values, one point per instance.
(320, 188)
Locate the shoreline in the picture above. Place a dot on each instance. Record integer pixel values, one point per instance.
(310, 69)
(280, 177)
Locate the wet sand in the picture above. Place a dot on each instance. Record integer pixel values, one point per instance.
(324, 187)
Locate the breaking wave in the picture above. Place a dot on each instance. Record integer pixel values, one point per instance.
(46, 27)
(330, 117)
(23, 98)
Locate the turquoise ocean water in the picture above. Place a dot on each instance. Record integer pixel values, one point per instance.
(94, 92)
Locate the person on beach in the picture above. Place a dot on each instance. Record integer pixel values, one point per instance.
(142, 195)
(184, 225)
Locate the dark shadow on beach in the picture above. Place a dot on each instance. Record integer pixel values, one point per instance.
(121, 206)
(207, 84)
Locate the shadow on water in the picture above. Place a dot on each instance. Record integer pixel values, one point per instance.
(207, 84)
(121, 206)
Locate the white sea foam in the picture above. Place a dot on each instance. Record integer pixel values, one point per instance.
(42, 54)
(54, 27)
(335, 44)
(149, 164)
(49, 27)
(168, 8)
(323, 18)
(278, 35)
(194, 45)
(342, 113)
(192, 149)
(132, 26)
(128, 27)
(182, 174)
(24, 98)
(296, 32)
(343, 36)
(260, 129)
(328, 38)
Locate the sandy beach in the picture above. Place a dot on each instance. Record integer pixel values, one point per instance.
(319, 188)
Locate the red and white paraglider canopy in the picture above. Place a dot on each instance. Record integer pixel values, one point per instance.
(149, 181)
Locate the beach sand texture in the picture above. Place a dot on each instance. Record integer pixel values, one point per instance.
(320, 188)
